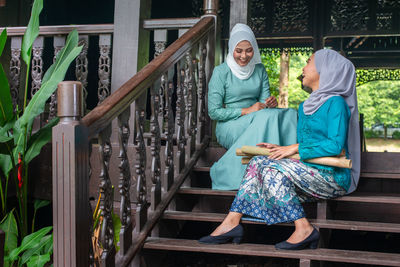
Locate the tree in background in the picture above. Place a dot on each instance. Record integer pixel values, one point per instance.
(271, 64)
(379, 101)
(284, 78)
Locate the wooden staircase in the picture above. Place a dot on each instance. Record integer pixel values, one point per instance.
(373, 208)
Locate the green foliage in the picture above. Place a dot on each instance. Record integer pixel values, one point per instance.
(53, 76)
(39, 203)
(296, 64)
(17, 144)
(271, 64)
(296, 94)
(6, 108)
(35, 249)
(379, 101)
(117, 228)
(32, 31)
(372, 134)
(396, 135)
(9, 226)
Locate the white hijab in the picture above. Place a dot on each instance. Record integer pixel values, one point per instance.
(337, 77)
(241, 32)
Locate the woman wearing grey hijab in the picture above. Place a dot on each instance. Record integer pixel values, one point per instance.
(274, 187)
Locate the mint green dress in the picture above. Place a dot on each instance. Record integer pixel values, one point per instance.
(227, 95)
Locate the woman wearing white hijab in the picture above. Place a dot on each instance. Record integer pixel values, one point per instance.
(274, 187)
(237, 99)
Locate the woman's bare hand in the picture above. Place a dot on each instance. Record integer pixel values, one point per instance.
(281, 152)
(256, 107)
(267, 145)
(271, 102)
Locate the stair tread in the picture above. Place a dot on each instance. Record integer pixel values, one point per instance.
(323, 254)
(327, 224)
(365, 197)
(362, 174)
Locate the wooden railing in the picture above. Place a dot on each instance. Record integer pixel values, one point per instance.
(184, 69)
(58, 34)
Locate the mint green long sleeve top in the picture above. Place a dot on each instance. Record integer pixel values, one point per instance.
(324, 134)
(227, 94)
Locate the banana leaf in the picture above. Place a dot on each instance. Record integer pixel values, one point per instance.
(53, 76)
(38, 260)
(29, 242)
(6, 108)
(36, 250)
(32, 31)
(9, 226)
(3, 38)
(38, 140)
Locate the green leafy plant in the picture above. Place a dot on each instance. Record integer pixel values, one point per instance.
(35, 249)
(396, 135)
(18, 145)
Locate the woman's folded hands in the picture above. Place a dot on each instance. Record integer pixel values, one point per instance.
(280, 152)
(270, 102)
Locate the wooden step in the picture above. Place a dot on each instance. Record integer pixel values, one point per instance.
(375, 175)
(322, 254)
(326, 224)
(387, 198)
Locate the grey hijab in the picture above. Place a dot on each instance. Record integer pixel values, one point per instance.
(337, 78)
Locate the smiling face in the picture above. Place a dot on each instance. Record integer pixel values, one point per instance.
(243, 53)
(310, 74)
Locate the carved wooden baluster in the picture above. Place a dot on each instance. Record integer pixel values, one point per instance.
(91, 249)
(191, 103)
(104, 67)
(58, 44)
(106, 201)
(180, 119)
(37, 64)
(124, 182)
(81, 68)
(36, 74)
(162, 103)
(170, 129)
(155, 147)
(140, 165)
(160, 41)
(15, 69)
(202, 91)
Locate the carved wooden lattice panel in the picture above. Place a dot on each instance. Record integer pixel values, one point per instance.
(277, 16)
(349, 15)
(369, 75)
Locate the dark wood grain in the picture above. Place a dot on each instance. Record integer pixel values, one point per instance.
(118, 101)
(322, 254)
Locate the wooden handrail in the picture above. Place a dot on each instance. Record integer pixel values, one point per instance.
(63, 29)
(117, 102)
(170, 24)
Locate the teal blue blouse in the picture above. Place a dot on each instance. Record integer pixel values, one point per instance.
(324, 134)
(227, 94)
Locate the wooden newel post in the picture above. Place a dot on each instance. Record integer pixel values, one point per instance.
(70, 180)
(210, 7)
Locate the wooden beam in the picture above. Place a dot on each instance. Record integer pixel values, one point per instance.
(238, 13)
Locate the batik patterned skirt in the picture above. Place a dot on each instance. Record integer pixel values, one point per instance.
(273, 190)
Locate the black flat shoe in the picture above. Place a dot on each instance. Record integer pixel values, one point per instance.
(310, 242)
(235, 235)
